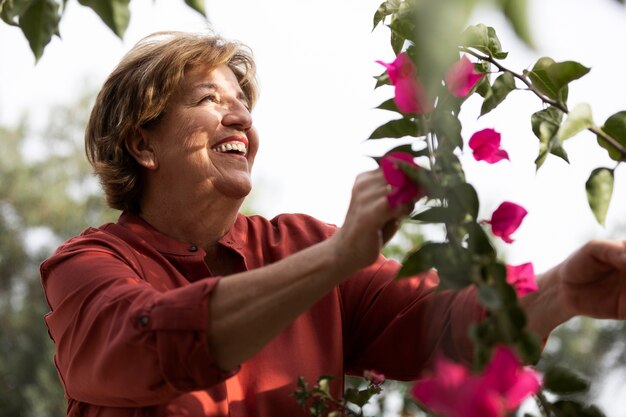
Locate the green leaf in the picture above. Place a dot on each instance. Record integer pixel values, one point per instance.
(516, 12)
(421, 260)
(560, 380)
(545, 124)
(484, 39)
(448, 129)
(382, 79)
(615, 126)
(385, 9)
(197, 5)
(501, 87)
(39, 22)
(489, 297)
(478, 242)
(438, 215)
(452, 263)
(388, 105)
(464, 199)
(599, 189)
(398, 128)
(578, 119)
(550, 77)
(114, 13)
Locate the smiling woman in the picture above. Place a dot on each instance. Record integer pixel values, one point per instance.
(185, 307)
(171, 138)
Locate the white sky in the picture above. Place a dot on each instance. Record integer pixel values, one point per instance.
(316, 62)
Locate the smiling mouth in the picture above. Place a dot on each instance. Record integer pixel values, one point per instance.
(235, 148)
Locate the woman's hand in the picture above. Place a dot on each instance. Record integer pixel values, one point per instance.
(590, 282)
(593, 280)
(370, 222)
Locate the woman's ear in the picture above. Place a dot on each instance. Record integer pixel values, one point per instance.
(141, 147)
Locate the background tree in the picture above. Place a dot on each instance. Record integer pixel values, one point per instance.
(46, 195)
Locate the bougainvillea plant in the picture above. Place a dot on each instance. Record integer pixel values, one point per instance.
(431, 80)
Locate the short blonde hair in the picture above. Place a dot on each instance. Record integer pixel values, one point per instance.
(136, 95)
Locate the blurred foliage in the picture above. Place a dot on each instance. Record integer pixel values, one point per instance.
(39, 19)
(47, 195)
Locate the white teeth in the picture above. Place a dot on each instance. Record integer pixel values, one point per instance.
(231, 146)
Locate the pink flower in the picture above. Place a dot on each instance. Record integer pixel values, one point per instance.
(454, 392)
(409, 93)
(506, 376)
(461, 77)
(403, 190)
(374, 377)
(522, 278)
(506, 219)
(486, 146)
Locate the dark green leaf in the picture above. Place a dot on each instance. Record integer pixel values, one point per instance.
(398, 128)
(615, 126)
(452, 263)
(478, 242)
(560, 380)
(501, 87)
(448, 130)
(197, 5)
(599, 189)
(421, 260)
(114, 13)
(38, 23)
(388, 105)
(464, 200)
(489, 297)
(438, 215)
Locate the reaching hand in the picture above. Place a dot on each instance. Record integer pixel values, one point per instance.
(370, 221)
(593, 280)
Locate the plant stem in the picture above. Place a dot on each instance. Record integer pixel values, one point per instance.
(599, 132)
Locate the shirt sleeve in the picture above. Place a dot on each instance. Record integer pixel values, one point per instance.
(119, 341)
(399, 327)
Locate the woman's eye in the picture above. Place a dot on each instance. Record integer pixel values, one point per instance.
(211, 97)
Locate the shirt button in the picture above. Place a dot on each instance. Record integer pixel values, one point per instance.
(192, 248)
(144, 320)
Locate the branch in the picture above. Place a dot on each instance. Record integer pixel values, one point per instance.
(599, 132)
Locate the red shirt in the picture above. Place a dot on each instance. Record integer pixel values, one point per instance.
(129, 312)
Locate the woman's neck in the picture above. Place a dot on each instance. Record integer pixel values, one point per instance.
(202, 222)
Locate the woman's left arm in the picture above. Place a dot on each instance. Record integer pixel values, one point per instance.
(590, 282)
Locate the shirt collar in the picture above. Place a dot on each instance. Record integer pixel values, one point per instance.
(234, 238)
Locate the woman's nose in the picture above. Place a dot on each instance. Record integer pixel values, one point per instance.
(237, 115)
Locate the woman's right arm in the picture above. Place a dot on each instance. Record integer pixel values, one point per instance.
(249, 309)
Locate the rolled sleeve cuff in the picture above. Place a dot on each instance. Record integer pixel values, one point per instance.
(179, 320)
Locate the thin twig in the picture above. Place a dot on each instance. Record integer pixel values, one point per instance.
(599, 132)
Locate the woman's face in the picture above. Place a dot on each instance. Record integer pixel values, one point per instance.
(205, 141)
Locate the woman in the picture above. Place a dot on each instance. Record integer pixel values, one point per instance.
(144, 322)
